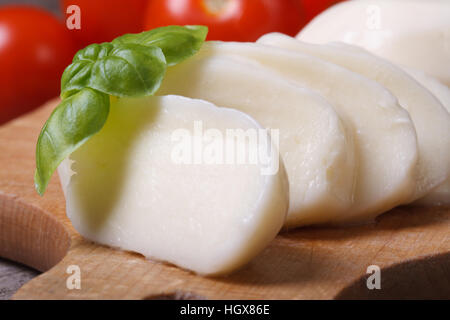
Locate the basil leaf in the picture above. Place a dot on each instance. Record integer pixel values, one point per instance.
(178, 43)
(132, 65)
(70, 125)
(122, 70)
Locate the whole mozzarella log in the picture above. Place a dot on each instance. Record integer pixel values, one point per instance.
(125, 187)
(441, 194)
(317, 150)
(431, 120)
(385, 136)
(413, 33)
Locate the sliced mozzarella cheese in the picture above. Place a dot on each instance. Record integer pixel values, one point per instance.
(384, 133)
(130, 192)
(316, 148)
(431, 120)
(441, 194)
(414, 33)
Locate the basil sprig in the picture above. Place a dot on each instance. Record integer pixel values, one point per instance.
(121, 70)
(177, 43)
(132, 65)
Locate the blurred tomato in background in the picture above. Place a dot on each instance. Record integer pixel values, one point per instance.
(104, 20)
(230, 20)
(35, 47)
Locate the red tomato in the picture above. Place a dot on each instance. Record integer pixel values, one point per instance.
(312, 8)
(104, 20)
(229, 20)
(35, 47)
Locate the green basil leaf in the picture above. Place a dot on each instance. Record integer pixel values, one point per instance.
(132, 65)
(70, 125)
(178, 43)
(122, 70)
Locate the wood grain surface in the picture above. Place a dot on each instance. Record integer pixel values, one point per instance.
(410, 245)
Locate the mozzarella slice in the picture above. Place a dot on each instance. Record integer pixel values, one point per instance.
(384, 133)
(316, 148)
(431, 120)
(441, 194)
(129, 190)
(414, 33)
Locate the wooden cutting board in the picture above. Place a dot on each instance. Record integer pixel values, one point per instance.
(410, 245)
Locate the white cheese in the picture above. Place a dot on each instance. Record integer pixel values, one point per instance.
(128, 192)
(431, 120)
(441, 194)
(413, 33)
(316, 148)
(385, 136)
